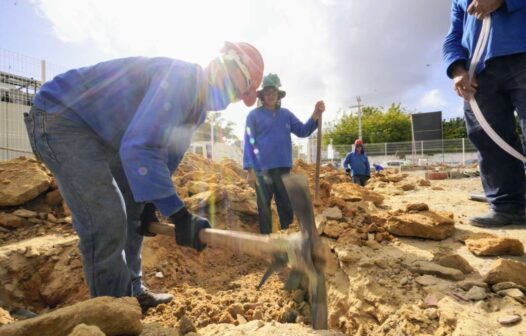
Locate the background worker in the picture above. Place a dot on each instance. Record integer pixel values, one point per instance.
(499, 87)
(112, 134)
(356, 164)
(268, 150)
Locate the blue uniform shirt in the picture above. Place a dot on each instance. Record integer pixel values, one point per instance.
(359, 163)
(145, 108)
(267, 138)
(507, 35)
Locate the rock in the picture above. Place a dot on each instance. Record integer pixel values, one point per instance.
(416, 207)
(5, 317)
(186, 325)
(430, 301)
(408, 186)
(494, 246)
(113, 316)
(404, 281)
(424, 183)
(236, 309)
(241, 319)
(86, 330)
(196, 187)
(426, 280)
(425, 224)
(454, 261)
(27, 180)
(512, 292)
(51, 218)
(257, 315)
(509, 319)
(25, 213)
(506, 285)
(333, 213)
(53, 198)
(333, 229)
(467, 284)
(288, 315)
(320, 221)
(350, 237)
(426, 267)
(432, 313)
(504, 270)
(156, 329)
(204, 199)
(476, 293)
(11, 221)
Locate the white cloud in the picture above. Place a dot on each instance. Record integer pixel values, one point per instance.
(432, 100)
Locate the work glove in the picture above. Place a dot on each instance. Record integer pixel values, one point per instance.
(348, 170)
(187, 228)
(148, 215)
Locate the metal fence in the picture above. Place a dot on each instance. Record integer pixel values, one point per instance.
(449, 151)
(20, 78)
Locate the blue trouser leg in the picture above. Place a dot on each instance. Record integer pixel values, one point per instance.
(281, 197)
(133, 239)
(80, 163)
(359, 179)
(502, 89)
(264, 193)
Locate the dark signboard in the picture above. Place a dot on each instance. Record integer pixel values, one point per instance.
(427, 126)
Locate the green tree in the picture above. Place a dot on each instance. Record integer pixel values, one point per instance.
(454, 128)
(391, 125)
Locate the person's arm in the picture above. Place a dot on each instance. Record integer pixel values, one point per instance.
(367, 166)
(346, 161)
(455, 55)
(157, 133)
(304, 130)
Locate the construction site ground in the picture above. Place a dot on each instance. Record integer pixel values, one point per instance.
(404, 259)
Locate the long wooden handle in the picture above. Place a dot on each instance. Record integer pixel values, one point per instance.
(318, 158)
(256, 245)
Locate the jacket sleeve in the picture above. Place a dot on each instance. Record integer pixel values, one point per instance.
(300, 129)
(452, 49)
(513, 5)
(250, 158)
(347, 161)
(158, 135)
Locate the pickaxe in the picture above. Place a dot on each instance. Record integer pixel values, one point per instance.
(303, 251)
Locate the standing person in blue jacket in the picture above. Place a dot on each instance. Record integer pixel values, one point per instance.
(268, 150)
(356, 164)
(113, 133)
(499, 87)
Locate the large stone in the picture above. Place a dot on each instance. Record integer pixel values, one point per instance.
(512, 292)
(476, 293)
(333, 229)
(506, 285)
(11, 221)
(25, 213)
(241, 200)
(54, 198)
(86, 330)
(333, 213)
(113, 316)
(504, 270)
(21, 180)
(494, 246)
(454, 261)
(426, 267)
(425, 224)
(417, 207)
(205, 199)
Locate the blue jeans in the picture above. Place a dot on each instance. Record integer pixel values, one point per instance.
(501, 91)
(105, 216)
(269, 184)
(360, 179)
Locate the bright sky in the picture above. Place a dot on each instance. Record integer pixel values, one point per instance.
(384, 51)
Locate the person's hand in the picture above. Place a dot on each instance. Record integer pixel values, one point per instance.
(461, 84)
(482, 8)
(187, 228)
(251, 178)
(348, 170)
(148, 215)
(319, 108)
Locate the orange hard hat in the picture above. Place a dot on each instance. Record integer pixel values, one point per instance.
(251, 65)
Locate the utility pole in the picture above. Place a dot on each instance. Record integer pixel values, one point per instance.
(359, 106)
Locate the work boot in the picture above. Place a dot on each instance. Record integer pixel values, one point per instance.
(498, 219)
(149, 299)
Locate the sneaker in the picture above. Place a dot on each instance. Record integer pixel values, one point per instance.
(149, 299)
(498, 219)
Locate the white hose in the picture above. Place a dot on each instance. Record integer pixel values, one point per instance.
(481, 45)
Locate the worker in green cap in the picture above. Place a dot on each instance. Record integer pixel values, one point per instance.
(268, 149)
